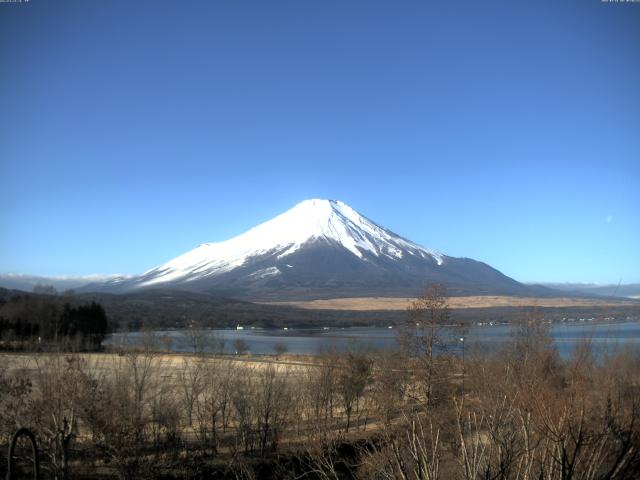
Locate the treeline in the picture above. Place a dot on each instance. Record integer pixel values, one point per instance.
(37, 320)
(158, 309)
(161, 309)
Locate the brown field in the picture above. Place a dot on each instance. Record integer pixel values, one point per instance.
(388, 303)
(169, 364)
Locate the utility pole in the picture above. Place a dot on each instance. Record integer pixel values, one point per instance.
(463, 370)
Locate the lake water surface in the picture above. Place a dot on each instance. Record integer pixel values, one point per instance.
(604, 337)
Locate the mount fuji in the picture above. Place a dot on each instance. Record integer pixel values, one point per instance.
(319, 249)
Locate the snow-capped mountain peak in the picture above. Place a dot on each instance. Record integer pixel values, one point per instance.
(308, 222)
(319, 249)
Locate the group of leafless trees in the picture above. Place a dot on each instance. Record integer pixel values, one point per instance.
(415, 413)
(518, 413)
(142, 412)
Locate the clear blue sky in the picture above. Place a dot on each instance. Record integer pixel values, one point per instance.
(508, 132)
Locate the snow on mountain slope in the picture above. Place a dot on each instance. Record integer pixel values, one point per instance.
(308, 222)
(319, 249)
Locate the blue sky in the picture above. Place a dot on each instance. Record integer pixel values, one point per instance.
(508, 132)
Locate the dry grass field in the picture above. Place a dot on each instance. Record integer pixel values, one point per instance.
(169, 364)
(389, 303)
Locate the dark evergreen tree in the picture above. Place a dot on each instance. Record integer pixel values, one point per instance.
(43, 318)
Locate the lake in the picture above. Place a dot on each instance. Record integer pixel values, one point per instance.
(604, 337)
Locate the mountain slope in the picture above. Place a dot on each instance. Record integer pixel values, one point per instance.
(320, 249)
(630, 290)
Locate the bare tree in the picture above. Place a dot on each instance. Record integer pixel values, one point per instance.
(123, 413)
(272, 398)
(472, 444)
(167, 342)
(55, 406)
(242, 391)
(280, 349)
(389, 384)
(15, 402)
(191, 380)
(209, 405)
(241, 347)
(354, 376)
(321, 390)
(197, 337)
(323, 460)
(422, 337)
(411, 451)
